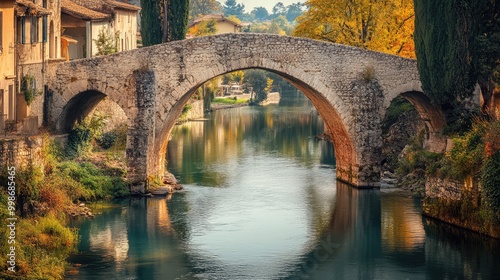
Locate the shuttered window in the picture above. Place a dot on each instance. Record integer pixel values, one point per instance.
(23, 30)
(1, 33)
(34, 30)
(44, 29)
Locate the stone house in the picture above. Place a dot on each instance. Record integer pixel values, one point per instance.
(83, 21)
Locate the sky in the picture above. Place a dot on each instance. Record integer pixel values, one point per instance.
(268, 4)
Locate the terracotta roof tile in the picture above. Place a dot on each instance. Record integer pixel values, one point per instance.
(25, 7)
(122, 5)
(78, 11)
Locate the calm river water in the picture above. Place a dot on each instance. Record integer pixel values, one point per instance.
(261, 202)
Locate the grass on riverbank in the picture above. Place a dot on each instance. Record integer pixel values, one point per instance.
(46, 190)
(229, 100)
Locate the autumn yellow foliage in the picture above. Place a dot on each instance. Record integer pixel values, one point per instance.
(385, 26)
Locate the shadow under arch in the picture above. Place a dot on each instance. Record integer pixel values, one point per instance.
(432, 115)
(78, 107)
(345, 151)
(433, 118)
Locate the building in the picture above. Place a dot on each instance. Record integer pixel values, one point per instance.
(85, 21)
(7, 63)
(34, 33)
(223, 24)
(29, 35)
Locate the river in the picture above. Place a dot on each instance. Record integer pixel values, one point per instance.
(260, 201)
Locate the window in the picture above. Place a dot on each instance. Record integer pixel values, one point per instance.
(1, 34)
(12, 104)
(34, 30)
(44, 29)
(22, 31)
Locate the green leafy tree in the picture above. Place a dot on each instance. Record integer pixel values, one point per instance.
(151, 22)
(258, 80)
(279, 9)
(202, 7)
(260, 13)
(283, 24)
(231, 8)
(274, 28)
(293, 11)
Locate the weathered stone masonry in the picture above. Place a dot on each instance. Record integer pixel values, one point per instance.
(152, 85)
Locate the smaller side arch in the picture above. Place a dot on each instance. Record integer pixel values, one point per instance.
(78, 108)
(432, 115)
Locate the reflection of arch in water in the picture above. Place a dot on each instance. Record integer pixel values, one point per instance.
(356, 215)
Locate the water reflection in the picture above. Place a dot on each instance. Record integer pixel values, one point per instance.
(255, 207)
(204, 152)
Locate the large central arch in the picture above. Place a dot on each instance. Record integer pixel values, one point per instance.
(350, 88)
(345, 150)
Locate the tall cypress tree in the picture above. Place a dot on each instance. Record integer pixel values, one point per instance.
(151, 27)
(178, 16)
(444, 30)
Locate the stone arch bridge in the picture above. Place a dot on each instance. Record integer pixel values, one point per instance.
(350, 87)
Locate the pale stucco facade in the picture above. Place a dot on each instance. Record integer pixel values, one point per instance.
(7, 62)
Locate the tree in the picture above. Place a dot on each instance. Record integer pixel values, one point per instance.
(156, 27)
(385, 26)
(231, 8)
(235, 76)
(178, 15)
(487, 49)
(293, 11)
(151, 19)
(279, 9)
(275, 29)
(283, 24)
(260, 13)
(258, 80)
(106, 42)
(202, 7)
(443, 33)
(204, 28)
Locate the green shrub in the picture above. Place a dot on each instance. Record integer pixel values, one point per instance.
(93, 183)
(491, 184)
(79, 142)
(116, 138)
(82, 136)
(466, 156)
(398, 107)
(108, 140)
(368, 74)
